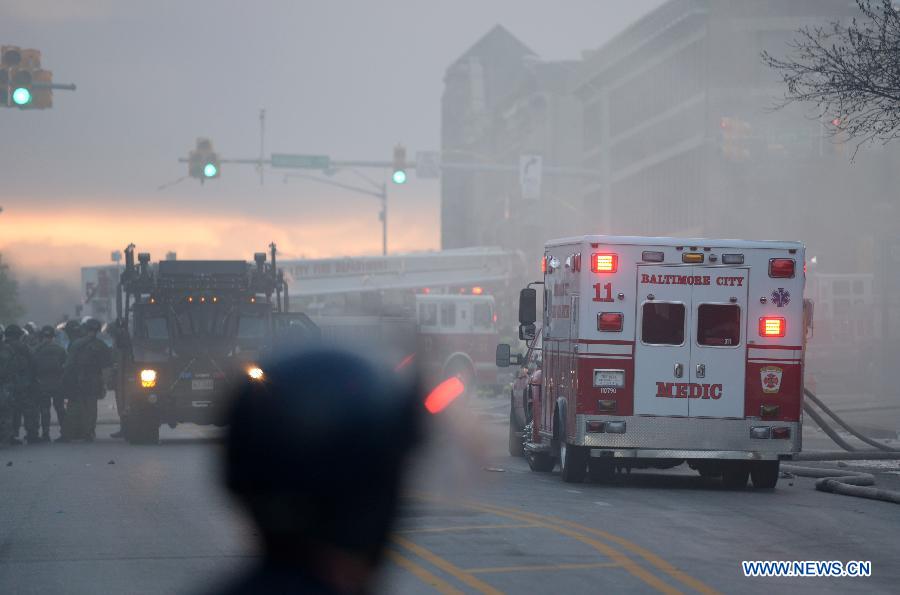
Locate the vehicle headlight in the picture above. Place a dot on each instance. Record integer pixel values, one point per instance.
(148, 378)
(255, 373)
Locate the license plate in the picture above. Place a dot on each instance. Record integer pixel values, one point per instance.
(609, 378)
(202, 384)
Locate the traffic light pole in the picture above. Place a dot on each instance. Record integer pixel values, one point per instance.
(380, 193)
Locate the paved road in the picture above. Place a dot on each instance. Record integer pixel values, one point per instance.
(108, 517)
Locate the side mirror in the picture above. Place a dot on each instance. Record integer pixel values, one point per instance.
(503, 355)
(527, 306)
(527, 332)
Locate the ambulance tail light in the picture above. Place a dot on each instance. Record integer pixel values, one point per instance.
(593, 427)
(604, 263)
(760, 432)
(772, 326)
(610, 322)
(781, 268)
(652, 256)
(732, 259)
(544, 264)
(615, 427)
(781, 433)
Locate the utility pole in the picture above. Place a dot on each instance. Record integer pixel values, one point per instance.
(262, 143)
(383, 219)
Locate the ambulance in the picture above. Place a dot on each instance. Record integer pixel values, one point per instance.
(661, 351)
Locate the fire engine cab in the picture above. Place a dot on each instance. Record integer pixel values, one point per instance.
(660, 351)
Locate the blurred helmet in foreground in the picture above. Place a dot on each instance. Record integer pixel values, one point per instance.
(317, 450)
(91, 325)
(13, 331)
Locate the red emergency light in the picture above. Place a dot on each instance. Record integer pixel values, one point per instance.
(477, 290)
(444, 394)
(781, 268)
(544, 264)
(604, 263)
(610, 322)
(772, 326)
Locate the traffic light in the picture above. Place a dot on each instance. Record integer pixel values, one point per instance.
(399, 175)
(21, 93)
(22, 82)
(203, 161)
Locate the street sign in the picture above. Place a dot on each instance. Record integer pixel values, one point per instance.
(530, 172)
(301, 161)
(428, 164)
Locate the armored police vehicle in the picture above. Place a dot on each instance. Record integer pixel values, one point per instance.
(188, 330)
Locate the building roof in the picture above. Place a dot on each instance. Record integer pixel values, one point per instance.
(496, 41)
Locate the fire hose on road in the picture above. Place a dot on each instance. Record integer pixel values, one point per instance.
(842, 481)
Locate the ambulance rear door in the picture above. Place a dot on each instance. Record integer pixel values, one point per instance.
(662, 350)
(718, 345)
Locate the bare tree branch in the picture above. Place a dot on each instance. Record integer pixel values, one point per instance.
(850, 72)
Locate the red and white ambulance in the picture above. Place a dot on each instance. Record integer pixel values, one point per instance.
(659, 351)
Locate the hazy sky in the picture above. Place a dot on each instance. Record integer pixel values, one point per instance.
(344, 78)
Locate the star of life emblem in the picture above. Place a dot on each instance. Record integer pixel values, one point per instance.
(781, 298)
(770, 377)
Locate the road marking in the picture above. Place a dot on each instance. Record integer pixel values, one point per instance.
(446, 566)
(468, 528)
(552, 522)
(574, 491)
(537, 567)
(432, 580)
(621, 559)
(599, 503)
(679, 575)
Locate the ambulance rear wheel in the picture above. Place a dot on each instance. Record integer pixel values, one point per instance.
(735, 475)
(572, 462)
(765, 474)
(540, 462)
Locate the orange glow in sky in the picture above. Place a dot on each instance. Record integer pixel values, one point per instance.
(55, 243)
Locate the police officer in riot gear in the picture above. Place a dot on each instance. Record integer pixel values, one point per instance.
(73, 331)
(18, 382)
(293, 437)
(31, 337)
(49, 358)
(87, 358)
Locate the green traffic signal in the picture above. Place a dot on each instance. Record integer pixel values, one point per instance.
(21, 96)
(210, 170)
(399, 176)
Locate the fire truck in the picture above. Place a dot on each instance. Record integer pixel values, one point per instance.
(188, 330)
(456, 337)
(660, 351)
